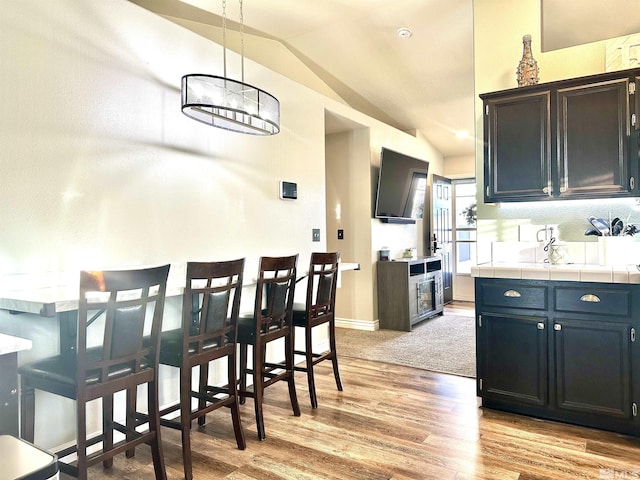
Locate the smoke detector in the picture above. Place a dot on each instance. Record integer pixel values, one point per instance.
(404, 32)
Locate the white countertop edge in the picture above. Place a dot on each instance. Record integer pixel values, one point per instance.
(11, 344)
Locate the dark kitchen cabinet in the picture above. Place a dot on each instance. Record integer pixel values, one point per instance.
(518, 146)
(593, 373)
(516, 369)
(593, 140)
(563, 351)
(562, 140)
(9, 394)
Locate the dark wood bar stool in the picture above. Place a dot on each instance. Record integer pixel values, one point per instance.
(319, 310)
(116, 309)
(211, 303)
(270, 321)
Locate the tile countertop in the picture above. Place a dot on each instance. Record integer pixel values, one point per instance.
(568, 272)
(46, 294)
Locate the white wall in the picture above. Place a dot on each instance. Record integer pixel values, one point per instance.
(99, 167)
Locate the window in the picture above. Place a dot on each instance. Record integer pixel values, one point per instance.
(464, 206)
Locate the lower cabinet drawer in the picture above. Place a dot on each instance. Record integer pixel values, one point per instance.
(506, 294)
(598, 301)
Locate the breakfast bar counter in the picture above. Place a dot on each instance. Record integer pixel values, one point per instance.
(51, 293)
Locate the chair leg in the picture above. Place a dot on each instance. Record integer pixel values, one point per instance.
(258, 389)
(27, 413)
(204, 381)
(334, 354)
(154, 425)
(131, 402)
(107, 428)
(309, 367)
(243, 372)
(235, 406)
(81, 439)
(288, 345)
(185, 420)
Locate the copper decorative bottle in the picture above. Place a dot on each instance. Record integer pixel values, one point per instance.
(528, 67)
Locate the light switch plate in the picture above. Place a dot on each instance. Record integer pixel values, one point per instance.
(316, 234)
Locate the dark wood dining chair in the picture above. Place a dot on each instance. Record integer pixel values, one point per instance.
(271, 320)
(319, 309)
(116, 310)
(211, 303)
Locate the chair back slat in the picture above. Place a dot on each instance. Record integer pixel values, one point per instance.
(274, 293)
(321, 285)
(212, 295)
(116, 310)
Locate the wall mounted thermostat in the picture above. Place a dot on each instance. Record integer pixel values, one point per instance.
(288, 190)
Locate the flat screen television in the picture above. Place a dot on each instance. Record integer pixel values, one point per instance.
(402, 184)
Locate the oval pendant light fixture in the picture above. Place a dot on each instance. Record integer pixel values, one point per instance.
(230, 104)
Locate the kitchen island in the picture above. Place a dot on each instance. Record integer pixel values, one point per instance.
(559, 342)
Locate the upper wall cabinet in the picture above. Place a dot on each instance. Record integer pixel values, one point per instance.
(570, 139)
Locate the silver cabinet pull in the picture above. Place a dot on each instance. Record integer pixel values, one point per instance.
(512, 293)
(540, 325)
(589, 297)
(557, 327)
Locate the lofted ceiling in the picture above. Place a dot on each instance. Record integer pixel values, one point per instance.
(423, 83)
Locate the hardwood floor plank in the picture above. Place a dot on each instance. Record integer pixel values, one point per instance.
(391, 422)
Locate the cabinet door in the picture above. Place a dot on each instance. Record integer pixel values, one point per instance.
(517, 147)
(9, 394)
(636, 110)
(512, 360)
(592, 365)
(593, 134)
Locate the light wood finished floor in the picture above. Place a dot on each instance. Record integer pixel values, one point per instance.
(391, 422)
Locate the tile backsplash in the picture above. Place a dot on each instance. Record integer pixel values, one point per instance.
(620, 250)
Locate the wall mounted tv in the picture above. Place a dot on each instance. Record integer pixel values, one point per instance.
(402, 183)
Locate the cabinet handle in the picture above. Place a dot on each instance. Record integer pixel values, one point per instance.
(512, 294)
(632, 183)
(545, 190)
(540, 325)
(589, 297)
(557, 327)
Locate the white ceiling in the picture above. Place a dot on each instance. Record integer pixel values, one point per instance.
(422, 83)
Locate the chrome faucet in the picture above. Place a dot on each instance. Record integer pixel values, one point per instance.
(552, 239)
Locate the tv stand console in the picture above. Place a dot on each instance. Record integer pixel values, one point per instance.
(409, 291)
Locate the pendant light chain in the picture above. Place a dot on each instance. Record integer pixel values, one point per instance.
(224, 36)
(242, 41)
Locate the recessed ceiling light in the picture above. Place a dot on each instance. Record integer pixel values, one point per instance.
(404, 32)
(462, 134)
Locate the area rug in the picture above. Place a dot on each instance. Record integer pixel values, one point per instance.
(444, 344)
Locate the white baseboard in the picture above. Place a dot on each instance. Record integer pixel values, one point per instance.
(464, 298)
(357, 324)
